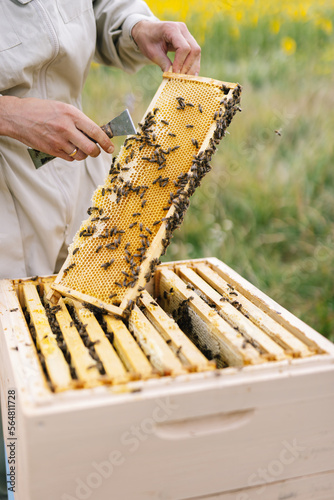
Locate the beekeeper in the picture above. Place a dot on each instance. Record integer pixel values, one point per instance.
(46, 48)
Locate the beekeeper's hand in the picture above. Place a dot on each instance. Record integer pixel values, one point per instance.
(52, 127)
(156, 38)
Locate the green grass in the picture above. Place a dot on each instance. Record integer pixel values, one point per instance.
(267, 206)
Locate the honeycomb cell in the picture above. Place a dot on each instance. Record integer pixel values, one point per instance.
(144, 197)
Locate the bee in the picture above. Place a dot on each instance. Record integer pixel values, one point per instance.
(143, 203)
(127, 245)
(171, 134)
(104, 218)
(69, 268)
(148, 230)
(111, 246)
(195, 143)
(55, 309)
(90, 367)
(157, 179)
(91, 209)
(108, 264)
(155, 223)
(75, 251)
(237, 305)
(200, 108)
(175, 148)
(136, 214)
(155, 111)
(189, 104)
(278, 132)
(118, 284)
(165, 122)
(133, 224)
(189, 126)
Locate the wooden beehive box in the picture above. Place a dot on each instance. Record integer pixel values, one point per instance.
(209, 390)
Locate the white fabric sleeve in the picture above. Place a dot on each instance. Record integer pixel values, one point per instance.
(114, 21)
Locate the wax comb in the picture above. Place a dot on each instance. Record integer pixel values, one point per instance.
(144, 198)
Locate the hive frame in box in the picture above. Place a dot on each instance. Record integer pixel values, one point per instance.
(230, 425)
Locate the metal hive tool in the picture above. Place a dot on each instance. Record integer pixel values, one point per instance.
(146, 193)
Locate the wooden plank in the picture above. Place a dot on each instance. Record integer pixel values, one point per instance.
(202, 79)
(53, 296)
(56, 365)
(113, 366)
(231, 314)
(318, 486)
(229, 343)
(81, 360)
(161, 356)
(20, 343)
(188, 353)
(276, 331)
(128, 350)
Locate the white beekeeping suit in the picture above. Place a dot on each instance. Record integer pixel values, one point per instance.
(46, 48)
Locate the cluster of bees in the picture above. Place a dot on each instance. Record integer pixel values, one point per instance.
(121, 184)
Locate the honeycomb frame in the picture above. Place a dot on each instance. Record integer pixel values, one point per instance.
(158, 167)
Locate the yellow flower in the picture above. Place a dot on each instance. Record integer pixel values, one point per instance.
(288, 45)
(275, 26)
(325, 25)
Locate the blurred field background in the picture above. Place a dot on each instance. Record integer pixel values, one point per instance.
(267, 206)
